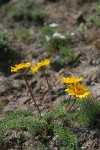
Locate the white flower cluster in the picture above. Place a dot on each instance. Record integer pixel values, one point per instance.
(53, 25)
(56, 34)
(47, 38)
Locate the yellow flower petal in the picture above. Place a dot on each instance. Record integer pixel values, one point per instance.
(35, 69)
(71, 80)
(78, 90)
(20, 67)
(40, 65)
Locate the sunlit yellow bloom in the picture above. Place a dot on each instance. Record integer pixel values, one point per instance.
(40, 65)
(71, 80)
(35, 69)
(20, 67)
(77, 90)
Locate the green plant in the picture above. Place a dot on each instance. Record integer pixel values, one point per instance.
(89, 113)
(97, 8)
(97, 21)
(94, 18)
(26, 10)
(89, 18)
(56, 42)
(37, 14)
(23, 33)
(82, 30)
(54, 37)
(40, 127)
(67, 56)
(60, 112)
(7, 52)
(66, 136)
(25, 120)
(17, 11)
(41, 146)
(46, 33)
(17, 120)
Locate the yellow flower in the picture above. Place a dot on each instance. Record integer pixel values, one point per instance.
(71, 80)
(40, 65)
(20, 67)
(77, 90)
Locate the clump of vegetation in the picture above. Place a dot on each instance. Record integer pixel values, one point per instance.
(56, 42)
(67, 137)
(89, 114)
(17, 11)
(7, 52)
(53, 36)
(38, 15)
(26, 10)
(39, 127)
(47, 31)
(97, 8)
(94, 18)
(52, 123)
(23, 33)
(67, 56)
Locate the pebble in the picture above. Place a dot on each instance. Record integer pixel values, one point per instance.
(23, 100)
(10, 107)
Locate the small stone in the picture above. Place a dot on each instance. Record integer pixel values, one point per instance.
(22, 107)
(33, 83)
(97, 44)
(10, 107)
(23, 100)
(61, 71)
(37, 88)
(95, 89)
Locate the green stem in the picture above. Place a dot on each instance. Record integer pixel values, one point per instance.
(72, 105)
(31, 93)
(48, 89)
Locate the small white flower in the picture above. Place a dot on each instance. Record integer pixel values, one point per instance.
(47, 38)
(56, 34)
(72, 33)
(62, 36)
(53, 25)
